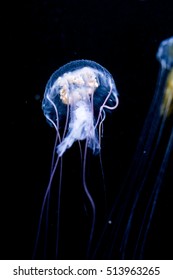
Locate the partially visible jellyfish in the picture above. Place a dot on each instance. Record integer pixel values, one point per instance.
(133, 209)
(76, 99)
(154, 150)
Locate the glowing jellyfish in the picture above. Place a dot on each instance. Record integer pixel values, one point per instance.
(76, 99)
(132, 213)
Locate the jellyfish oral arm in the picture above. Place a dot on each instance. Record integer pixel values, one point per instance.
(80, 127)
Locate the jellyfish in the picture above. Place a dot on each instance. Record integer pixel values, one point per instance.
(134, 206)
(76, 99)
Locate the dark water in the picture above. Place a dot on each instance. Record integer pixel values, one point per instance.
(41, 36)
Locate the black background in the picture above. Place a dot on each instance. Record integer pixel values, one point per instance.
(40, 36)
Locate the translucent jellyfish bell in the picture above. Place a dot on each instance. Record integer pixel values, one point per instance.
(80, 92)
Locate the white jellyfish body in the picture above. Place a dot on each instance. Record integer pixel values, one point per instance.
(76, 89)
